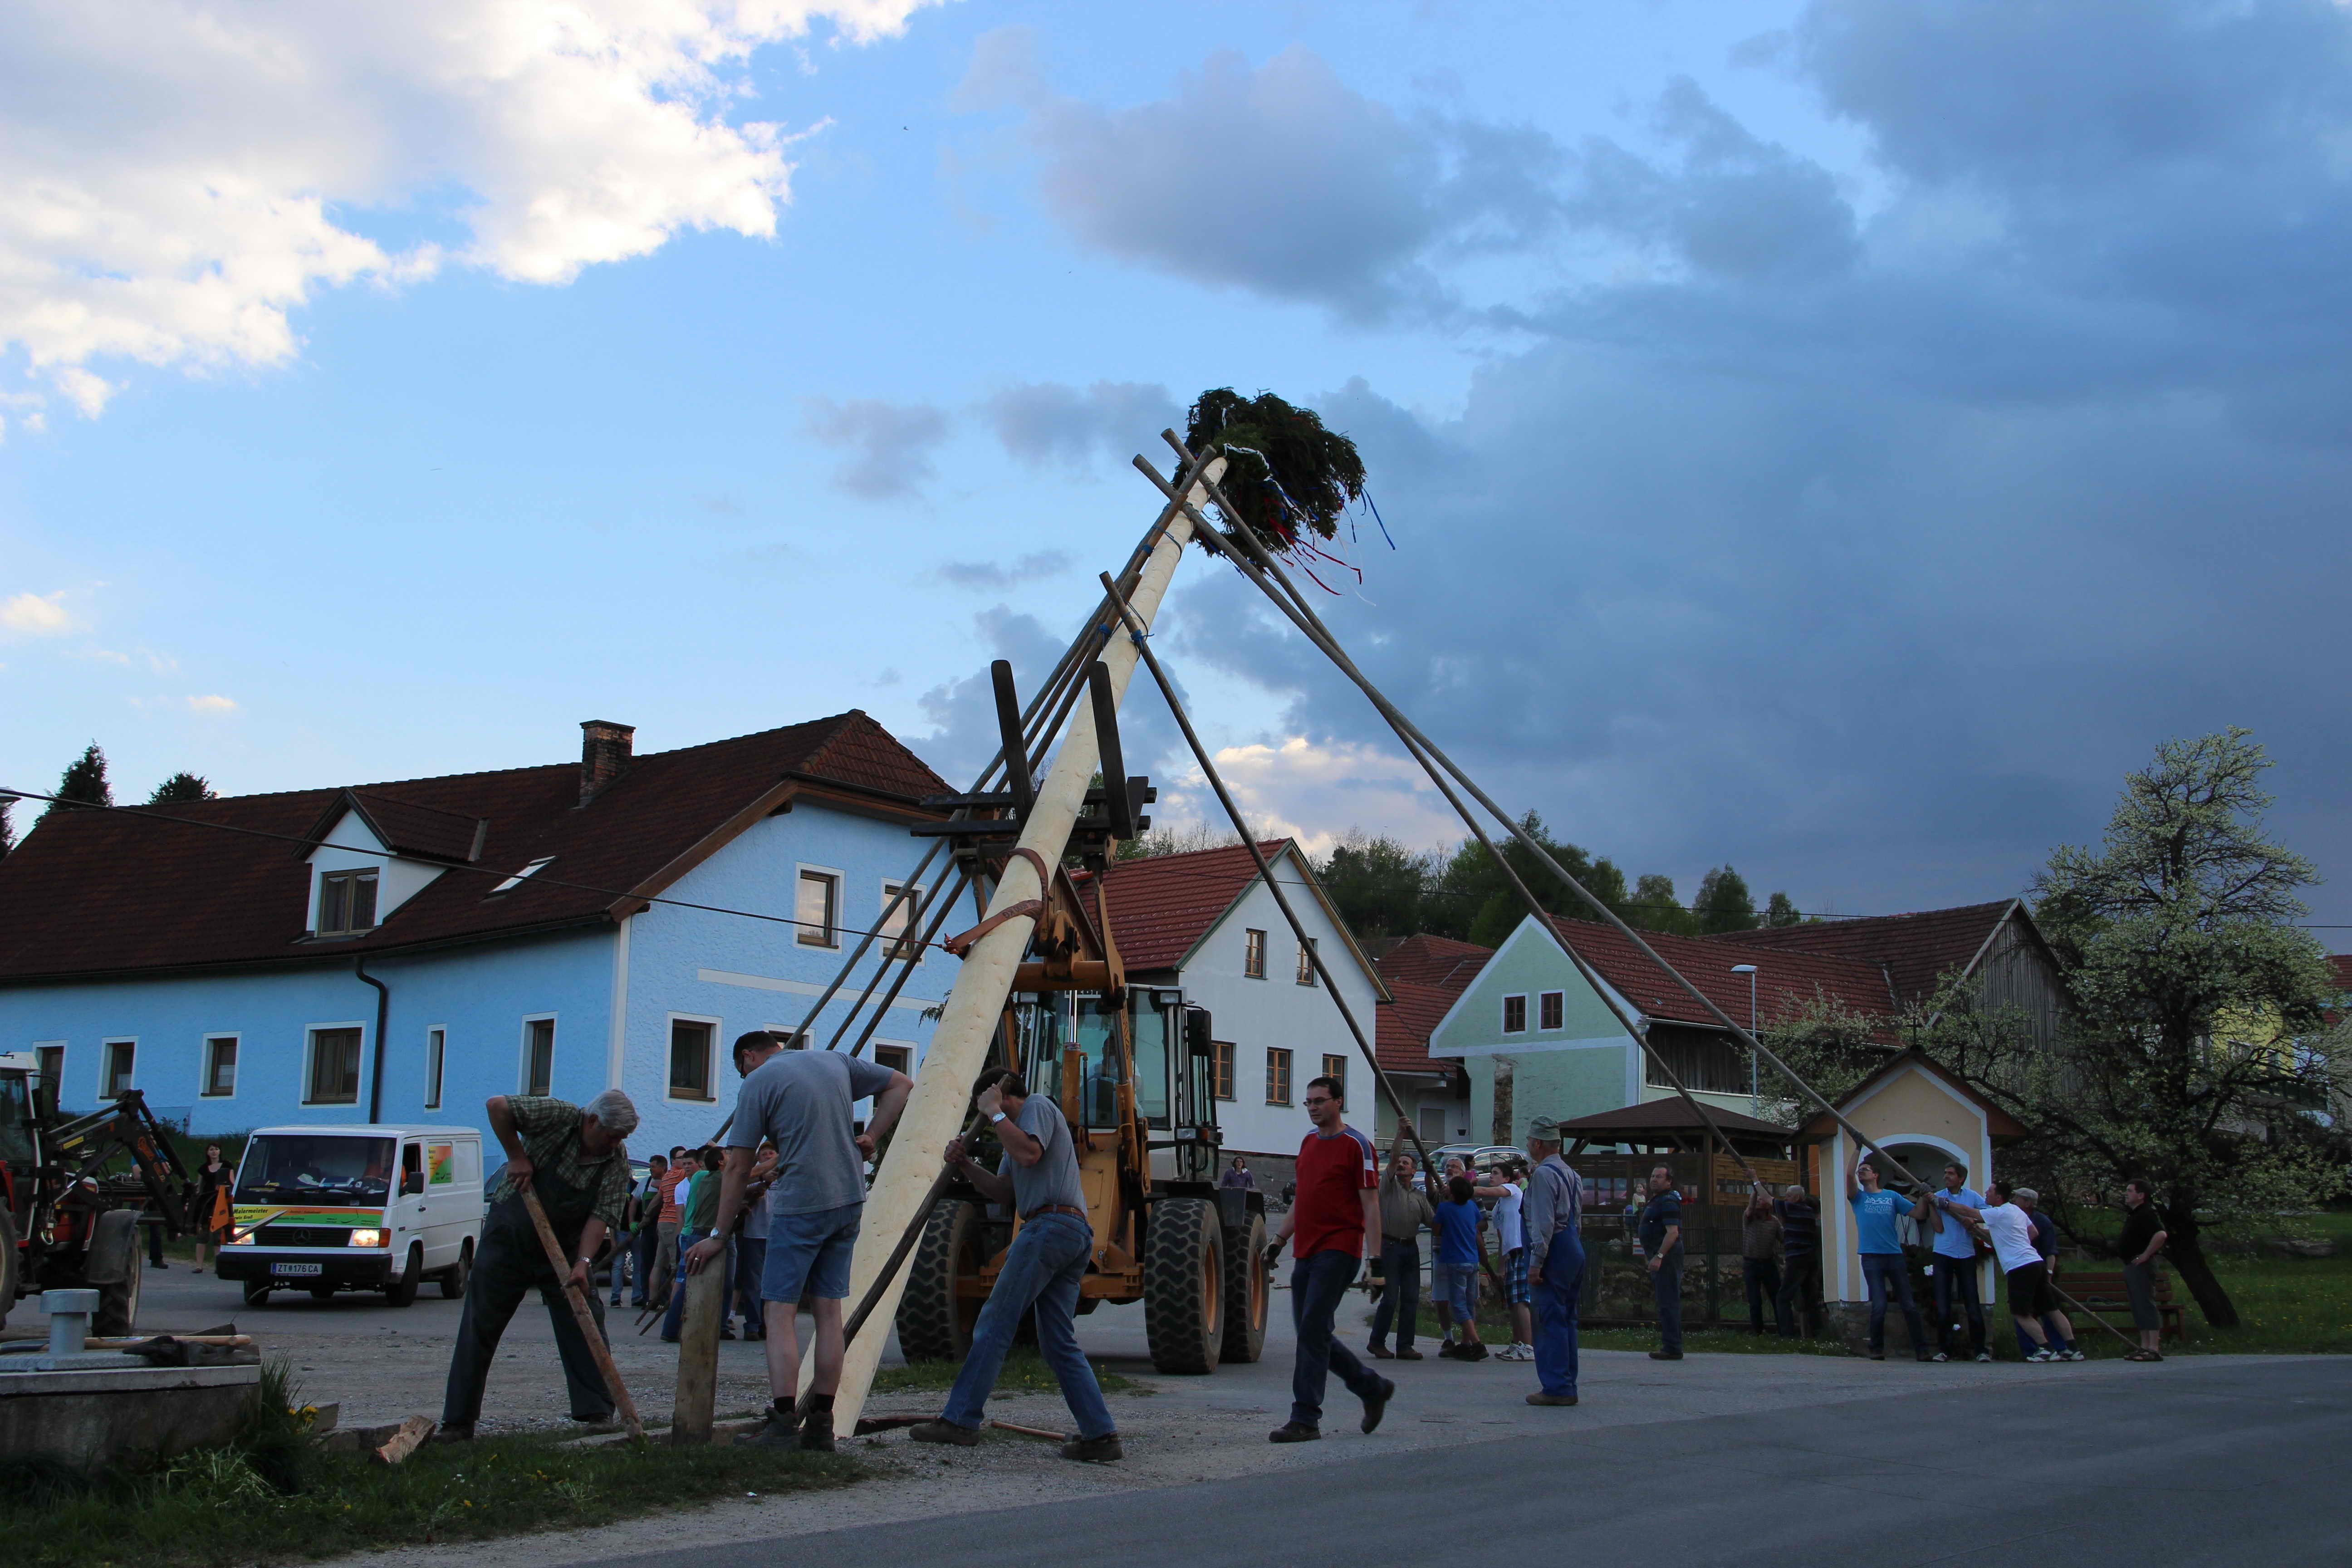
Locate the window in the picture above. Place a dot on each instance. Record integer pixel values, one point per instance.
(51, 1060)
(517, 880)
(1306, 963)
(334, 1067)
(898, 1058)
(1515, 1015)
(1223, 1059)
(1336, 1069)
(898, 924)
(346, 902)
(1254, 954)
(121, 1057)
(220, 1065)
(436, 1044)
(690, 1059)
(1432, 1124)
(818, 908)
(1551, 1008)
(538, 1056)
(1277, 1076)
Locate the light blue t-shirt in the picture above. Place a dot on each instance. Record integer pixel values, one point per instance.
(1874, 1214)
(1953, 1240)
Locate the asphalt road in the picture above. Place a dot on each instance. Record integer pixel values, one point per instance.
(2234, 1463)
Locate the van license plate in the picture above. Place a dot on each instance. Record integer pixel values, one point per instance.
(296, 1270)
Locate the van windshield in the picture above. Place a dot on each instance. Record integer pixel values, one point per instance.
(297, 1167)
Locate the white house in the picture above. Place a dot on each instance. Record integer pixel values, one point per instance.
(1205, 923)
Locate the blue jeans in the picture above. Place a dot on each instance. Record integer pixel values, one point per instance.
(1319, 1282)
(1043, 1267)
(1666, 1289)
(1559, 1293)
(1400, 1291)
(750, 1262)
(1888, 1273)
(1958, 1277)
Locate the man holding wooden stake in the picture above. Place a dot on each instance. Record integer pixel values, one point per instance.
(573, 1159)
(800, 1100)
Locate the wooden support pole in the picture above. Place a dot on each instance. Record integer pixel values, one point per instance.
(696, 1404)
(585, 1315)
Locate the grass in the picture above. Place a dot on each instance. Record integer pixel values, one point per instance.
(272, 1495)
(1024, 1372)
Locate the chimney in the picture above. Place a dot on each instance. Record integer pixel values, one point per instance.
(603, 752)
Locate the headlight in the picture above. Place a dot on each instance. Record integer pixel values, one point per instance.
(241, 1237)
(367, 1238)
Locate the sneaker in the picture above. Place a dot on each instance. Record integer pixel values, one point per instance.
(1293, 1432)
(1939, 1356)
(2072, 1355)
(1406, 1352)
(1984, 1355)
(1541, 1398)
(1099, 1450)
(1375, 1404)
(947, 1432)
(781, 1430)
(2042, 1356)
(725, 1331)
(1473, 1352)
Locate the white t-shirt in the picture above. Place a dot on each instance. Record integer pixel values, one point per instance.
(2011, 1234)
(1510, 1232)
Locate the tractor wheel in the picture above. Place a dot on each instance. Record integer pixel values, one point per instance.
(112, 1265)
(1184, 1286)
(1249, 1289)
(9, 1264)
(453, 1279)
(402, 1292)
(934, 1322)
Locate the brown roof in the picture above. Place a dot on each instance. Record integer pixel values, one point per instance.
(2000, 1124)
(1914, 949)
(1162, 905)
(102, 893)
(1435, 961)
(1424, 974)
(1786, 981)
(1672, 1114)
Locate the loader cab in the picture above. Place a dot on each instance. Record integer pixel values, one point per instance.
(1072, 1038)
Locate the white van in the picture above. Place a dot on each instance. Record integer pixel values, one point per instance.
(375, 1207)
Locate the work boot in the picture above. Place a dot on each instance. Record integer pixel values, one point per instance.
(1293, 1432)
(1541, 1398)
(453, 1432)
(595, 1426)
(781, 1430)
(944, 1431)
(1376, 1404)
(1099, 1450)
(816, 1432)
(1406, 1352)
(1381, 1351)
(1665, 1355)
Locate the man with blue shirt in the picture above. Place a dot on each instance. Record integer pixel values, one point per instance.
(1957, 1273)
(1662, 1245)
(1884, 1268)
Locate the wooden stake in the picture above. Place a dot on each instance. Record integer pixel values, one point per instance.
(691, 1413)
(585, 1315)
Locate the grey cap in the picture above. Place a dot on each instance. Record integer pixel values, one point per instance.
(1544, 1129)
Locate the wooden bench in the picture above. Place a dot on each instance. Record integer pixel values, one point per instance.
(2101, 1292)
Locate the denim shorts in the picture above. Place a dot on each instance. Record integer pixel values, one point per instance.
(808, 1254)
(1455, 1284)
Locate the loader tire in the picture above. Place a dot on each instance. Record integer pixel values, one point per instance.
(9, 1264)
(935, 1324)
(1249, 1291)
(1184, 1286)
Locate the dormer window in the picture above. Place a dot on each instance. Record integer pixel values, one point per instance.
(517, 880)
(346, 902)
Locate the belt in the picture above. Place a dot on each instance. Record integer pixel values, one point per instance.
(1070, 1209)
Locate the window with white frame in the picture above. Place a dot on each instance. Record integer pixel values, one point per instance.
(898, 1058)
(1515, 1015)
(121, 1059)
(1307, 962)
(898, 924)
(539, 1056)
(334, 1066)
(1551, 1008)
(346, 902)
(818, 908)
(220, 1067)
(690, 1041)
(437, 1047)
(1254, 954)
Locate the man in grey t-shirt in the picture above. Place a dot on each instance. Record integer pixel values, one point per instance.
(1038, 1178)
(800, 1101)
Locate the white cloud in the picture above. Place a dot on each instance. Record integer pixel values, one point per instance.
(175, 179)
(213, 704)
(1315, 792)
(37, 614)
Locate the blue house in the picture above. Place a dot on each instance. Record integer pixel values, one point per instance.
(405, 950)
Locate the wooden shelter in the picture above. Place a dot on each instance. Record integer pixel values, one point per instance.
(1669, 1133)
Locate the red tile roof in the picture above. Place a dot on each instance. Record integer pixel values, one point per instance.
(1424, 974)
(1914, 949)
(98, 892)
(1162, 905)
(1786, 980)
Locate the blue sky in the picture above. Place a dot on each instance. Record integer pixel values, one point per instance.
(1836, 438)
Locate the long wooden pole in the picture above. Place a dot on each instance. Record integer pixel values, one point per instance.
(583, 1314)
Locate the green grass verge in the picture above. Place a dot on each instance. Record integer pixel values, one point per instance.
(272, 1496)
(1024, 1372)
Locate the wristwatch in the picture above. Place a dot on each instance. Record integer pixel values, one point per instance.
(996, 1116)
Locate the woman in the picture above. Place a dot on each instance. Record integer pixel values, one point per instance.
(213, 1179)
(1759, 1264)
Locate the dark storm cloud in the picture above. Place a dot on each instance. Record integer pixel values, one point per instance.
(1869, 552)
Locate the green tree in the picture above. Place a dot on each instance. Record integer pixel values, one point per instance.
(84, 783)
(1378, 885)
(1724, 903)
(1283, 471)
(2193, 991)
(1783, 911)
(1655, 907)
(181, 786)
(1474, 900)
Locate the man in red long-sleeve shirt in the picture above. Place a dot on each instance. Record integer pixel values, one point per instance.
(1336, 1219)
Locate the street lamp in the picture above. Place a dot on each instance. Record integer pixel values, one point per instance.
(1755, 1086)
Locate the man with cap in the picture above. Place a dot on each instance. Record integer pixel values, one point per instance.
(1552, 1210)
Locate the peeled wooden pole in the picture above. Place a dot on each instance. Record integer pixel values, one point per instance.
(583, 1315)
(696, 1404)
(959, 1045)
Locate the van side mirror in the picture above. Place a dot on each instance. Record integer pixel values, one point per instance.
(413, 1185)
(1197, 1031)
